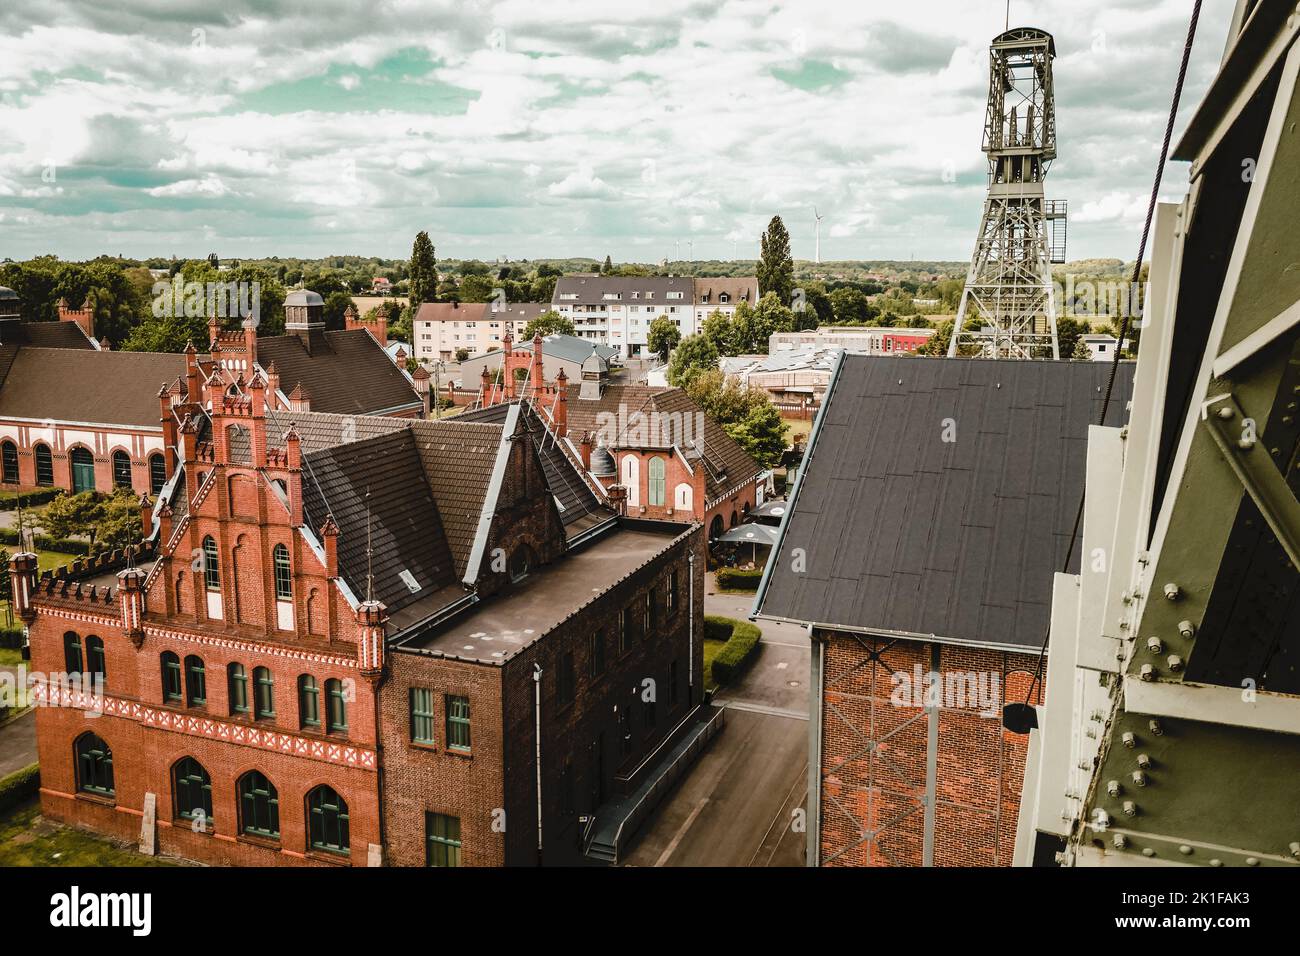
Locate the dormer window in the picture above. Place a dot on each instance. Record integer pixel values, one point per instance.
(724, 297)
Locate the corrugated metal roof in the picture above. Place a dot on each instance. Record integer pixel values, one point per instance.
(903, 531)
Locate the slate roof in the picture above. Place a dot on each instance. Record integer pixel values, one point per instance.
(727, 464)
(377, 493)
(579, 508)
(906, 533)
(345, 372)
(111, 388)
(480, 312)
(738, 288)
(457, 458)
(46, 335)
(319, 430)
(591, 289)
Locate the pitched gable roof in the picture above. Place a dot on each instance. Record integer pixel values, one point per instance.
(107, 388)
(345, 372)
(726, 464)
(906, 533)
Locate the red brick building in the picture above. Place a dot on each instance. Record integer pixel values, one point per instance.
(351, 639)
(650, 449)
(932, 511)
(105, 432)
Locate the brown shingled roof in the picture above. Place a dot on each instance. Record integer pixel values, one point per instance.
(109, 388)
(345, 372)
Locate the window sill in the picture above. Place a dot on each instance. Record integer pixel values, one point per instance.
(266, 843)
(329, 857)
(182, 823)
(99, 798)
(458, 752)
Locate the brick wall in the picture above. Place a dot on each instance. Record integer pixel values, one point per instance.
(880, 789)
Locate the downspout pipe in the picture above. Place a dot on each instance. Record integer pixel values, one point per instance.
(690, 628)
(537, 731)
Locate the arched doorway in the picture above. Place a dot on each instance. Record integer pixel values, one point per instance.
(83, 470)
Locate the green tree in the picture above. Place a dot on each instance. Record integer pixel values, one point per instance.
(694, 356)
(775, 266)
(664, 336)
(1080, 351)
(609, 266)
(548, 323)
(423, 270)
(771, 315)
(118, 521)
(1067, 335)
(851, 306)
(476, 288)
(717, 329)
(336, 303)
(70, 515)
(762, 433)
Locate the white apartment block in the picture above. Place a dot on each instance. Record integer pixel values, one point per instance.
(618, 310)
(441, 329)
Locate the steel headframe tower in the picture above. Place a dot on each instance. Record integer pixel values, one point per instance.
(1009, 285)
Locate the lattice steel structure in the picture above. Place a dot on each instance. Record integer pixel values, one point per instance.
(1009, 286)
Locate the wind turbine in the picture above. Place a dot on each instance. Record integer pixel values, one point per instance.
(817, 221)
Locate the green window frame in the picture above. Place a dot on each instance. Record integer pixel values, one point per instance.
(72, 660)
(95, 662)
(237, 682)
(196, 682)
(308, 701)
(94, 766)
(44, 465)
(10, 454)
(157, 473)
(458, 731)
(263, 693)
(441, 839)
(336, 702)
(193, 791)
(328, 821)
(655, 486)
(121, 470)
(283, 573)
(259, 806)
(423, 719)
(211, 565)
(173, 692)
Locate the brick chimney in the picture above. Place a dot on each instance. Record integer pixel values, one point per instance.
(168, 419)
(400, 358)
(273, 385)
(371, 621)
(584, 451)
(293, 457)
(561, 404)
(299, 399)
(329, 535)
(536, 378)
(193, 390)
(146, 517)
(378, 325)
(84, 317)
(22, 576)
(130, 589)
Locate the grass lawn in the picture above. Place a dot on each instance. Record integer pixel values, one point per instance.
(28, 839)
(10, 657)
(711, 649)
(45, 561)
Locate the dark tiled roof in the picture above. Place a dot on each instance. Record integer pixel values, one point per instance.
(377, 492)
(591, 289)
(457, 458)
(905, 532)
(85, 385)
(319, 430)
(577, 500)
(727, 465)
(738, 289)
(345, 372)
(45, 335)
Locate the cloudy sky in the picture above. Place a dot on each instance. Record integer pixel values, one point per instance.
(525, 128)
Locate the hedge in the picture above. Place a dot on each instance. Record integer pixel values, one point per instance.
(8, 535)
(30, 498)
(738, 579)
(19, 786)
(61, 545)
(11, 637)
(741, 647)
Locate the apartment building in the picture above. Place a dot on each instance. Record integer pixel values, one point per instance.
(442, 329)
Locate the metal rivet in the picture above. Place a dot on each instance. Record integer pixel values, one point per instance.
(1139, 778)
(1187, 629)
(1147, 673)
(1130, 808)
(1295, 850)
(1129, 740)
(1155, 645)
(1112, 787)
(1120, 841)
(1172, 592)
(1185, 850)
(1175, 663)
(1216, 862)
(1226, 412)
(1156, 728)
(1252, 861)
(1148, 852)
(1143, 761)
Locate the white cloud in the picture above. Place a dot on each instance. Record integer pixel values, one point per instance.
(208, 187)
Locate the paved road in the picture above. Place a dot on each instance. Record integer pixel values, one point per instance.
(736, 805)
(18, 743)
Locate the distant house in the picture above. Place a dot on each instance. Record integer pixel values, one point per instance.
(381, 286)
(559, 352)
(1101, 348)
(441, 329)
(862, 340)
(795, 379)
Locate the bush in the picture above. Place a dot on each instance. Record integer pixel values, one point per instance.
(11, 637)
(737, 579)
(61, 545)
(31, 497)
(19, 786)
(8, 535)
(741, 647)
